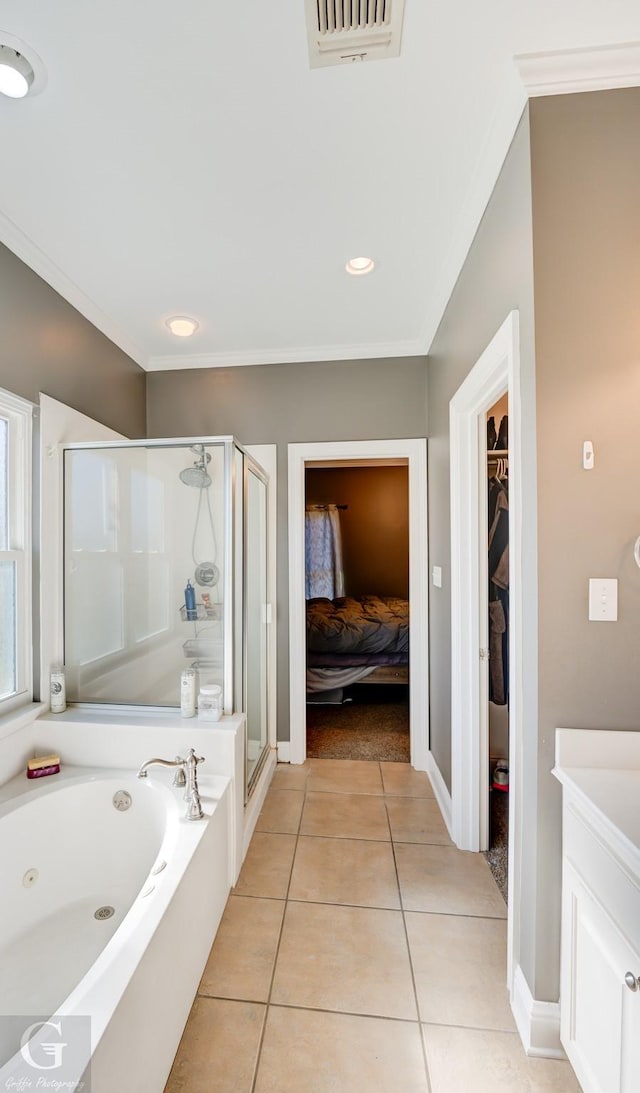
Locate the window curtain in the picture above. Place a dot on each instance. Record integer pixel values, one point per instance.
(324, 574)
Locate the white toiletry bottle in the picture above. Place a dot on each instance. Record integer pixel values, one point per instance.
(210, 702)
(57, 691)
(188, 693)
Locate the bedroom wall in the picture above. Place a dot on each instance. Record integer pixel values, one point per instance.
(284, 403)
(48, 346)
(375, 525)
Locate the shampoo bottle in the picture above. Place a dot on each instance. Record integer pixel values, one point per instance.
(190, 602)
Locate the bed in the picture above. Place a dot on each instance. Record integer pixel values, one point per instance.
(356, 639)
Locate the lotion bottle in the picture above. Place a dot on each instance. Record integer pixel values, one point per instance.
(57, 690)
(188, 693)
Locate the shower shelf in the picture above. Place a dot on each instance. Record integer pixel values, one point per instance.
(204, 649)
(203, 613)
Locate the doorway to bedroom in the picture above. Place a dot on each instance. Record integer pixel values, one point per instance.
(406, 683)
(357, 611)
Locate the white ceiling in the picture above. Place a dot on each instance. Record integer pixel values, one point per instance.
(185, 159)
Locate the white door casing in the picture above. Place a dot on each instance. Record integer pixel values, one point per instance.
(415, 452)
(497, 370)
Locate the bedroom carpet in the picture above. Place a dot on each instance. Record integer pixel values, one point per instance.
(369, 727)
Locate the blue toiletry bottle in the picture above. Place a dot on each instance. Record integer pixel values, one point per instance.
(190, 602)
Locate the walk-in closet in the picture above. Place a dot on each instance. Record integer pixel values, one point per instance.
(498, 636)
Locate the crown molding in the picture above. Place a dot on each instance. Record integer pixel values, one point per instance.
(564, 72)
(28, 252)
(305, 354)
(553, 73)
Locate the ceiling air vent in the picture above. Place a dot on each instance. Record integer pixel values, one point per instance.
(344, 31)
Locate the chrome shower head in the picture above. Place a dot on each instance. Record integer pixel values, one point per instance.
(197, 475)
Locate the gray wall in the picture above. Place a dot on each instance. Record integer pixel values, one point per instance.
(564, 220)
(586, 216)
(497, 278)
(284, 403)
(48, 346)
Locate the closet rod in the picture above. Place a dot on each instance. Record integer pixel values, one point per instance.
(495, 453)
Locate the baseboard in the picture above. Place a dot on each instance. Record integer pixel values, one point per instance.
(284, 751)
(443, 797)
(537, 1022)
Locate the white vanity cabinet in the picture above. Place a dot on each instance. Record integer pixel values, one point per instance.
(599, 1013)
(600, 964)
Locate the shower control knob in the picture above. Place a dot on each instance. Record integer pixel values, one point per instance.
(631, 981)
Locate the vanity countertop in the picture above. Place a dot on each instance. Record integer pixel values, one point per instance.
(601, 772)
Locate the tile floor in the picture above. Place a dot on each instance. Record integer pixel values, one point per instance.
(359, 951)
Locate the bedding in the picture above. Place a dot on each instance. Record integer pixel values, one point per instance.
(366, 624)
(350, 637)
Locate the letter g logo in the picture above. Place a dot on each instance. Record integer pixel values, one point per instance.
(52, 1050)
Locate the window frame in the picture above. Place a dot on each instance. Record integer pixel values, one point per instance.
(18, 413)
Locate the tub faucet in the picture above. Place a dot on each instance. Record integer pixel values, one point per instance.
(186, 775)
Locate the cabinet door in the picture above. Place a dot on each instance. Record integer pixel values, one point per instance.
(600, 1015)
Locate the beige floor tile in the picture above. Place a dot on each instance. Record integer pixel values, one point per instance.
(447, 881)
(352, 959)
(354, 871)
(402, 780)
(416, 820)
(309, 1052)
(241, 961)
(218, 1050)
(290, 776)
(281, 811)
(490, 1062)
(267, 866)
(344, 776)
(345, 816)
(460, 968)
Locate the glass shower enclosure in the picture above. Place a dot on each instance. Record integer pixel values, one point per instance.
(165, 568)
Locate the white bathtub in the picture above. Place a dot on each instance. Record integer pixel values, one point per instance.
(66, 852)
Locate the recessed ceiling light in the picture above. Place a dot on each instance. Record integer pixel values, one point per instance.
(16, 74)
(358, 266)
(21, 70)
(182, 326)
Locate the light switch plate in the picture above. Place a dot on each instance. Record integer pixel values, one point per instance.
(436, 574)
(603, 599)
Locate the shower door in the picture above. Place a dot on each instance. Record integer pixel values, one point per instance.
(165, 545)
(256, 619)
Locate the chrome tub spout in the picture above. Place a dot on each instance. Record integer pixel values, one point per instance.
(186, 775)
